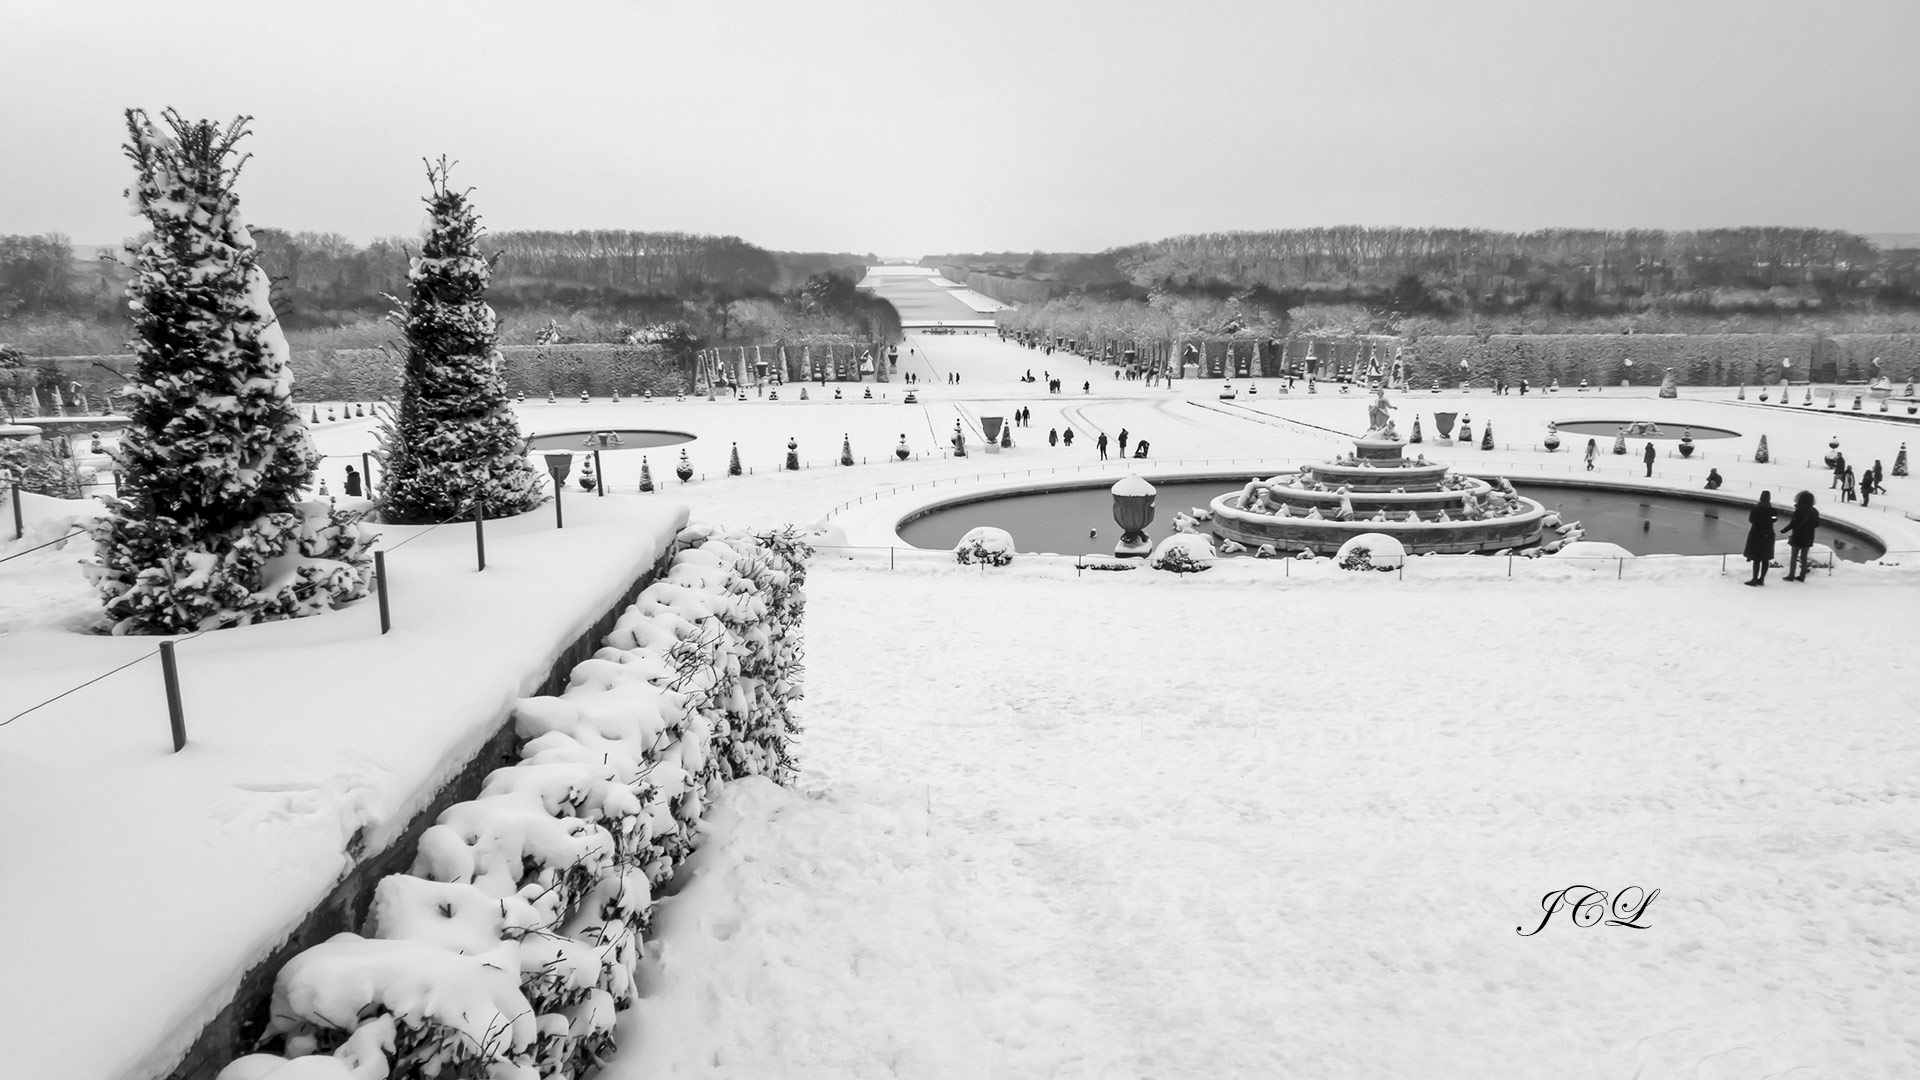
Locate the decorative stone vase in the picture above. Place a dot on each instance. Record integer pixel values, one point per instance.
(1686, 443)
(1133, 512)
(1552, 441)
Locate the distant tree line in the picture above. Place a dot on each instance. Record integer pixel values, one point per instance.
(1461, 272)
(608, 285)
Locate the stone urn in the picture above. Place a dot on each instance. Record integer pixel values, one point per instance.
(1133, 512)
(1686, 442)
(1552, 441)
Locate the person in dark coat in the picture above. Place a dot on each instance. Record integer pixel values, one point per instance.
(1839, 469)
(1648, 457)
(1067, 438)
(1879, 475)
(1714, 479)
(1053, 436)
(1123, 442)
(1799, 530)
(1759, 549)
(1101, 443)
(353, 482)
(1846, 485)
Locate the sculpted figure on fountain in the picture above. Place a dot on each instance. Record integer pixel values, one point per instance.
(1380, 418)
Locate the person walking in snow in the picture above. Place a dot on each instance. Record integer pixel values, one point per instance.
(1839, 469)
(1879, 476)
(1101, 443)
(353, 482)
(1067, 438)
(1846, 485)
(1648, 457)
(1053, 436)
(1759, 548)
(1799, 530)
(1123, 442)
(1593, 448)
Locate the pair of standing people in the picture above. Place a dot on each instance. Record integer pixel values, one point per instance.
(1799, 531)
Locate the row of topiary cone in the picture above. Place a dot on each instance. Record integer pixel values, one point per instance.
(684, 470)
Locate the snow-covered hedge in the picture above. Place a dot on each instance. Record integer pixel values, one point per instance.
(507, 950)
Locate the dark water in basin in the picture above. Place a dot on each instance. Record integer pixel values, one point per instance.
(1671, 525)
(1057, 521)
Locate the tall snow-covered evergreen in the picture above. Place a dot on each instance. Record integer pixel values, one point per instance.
(209, 528)
(454, 441)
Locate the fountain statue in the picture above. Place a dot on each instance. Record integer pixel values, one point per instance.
(1379, 417)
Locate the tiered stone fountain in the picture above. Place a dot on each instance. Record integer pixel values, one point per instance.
(1377, 490)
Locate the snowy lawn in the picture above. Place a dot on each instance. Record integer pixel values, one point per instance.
(1139, 826)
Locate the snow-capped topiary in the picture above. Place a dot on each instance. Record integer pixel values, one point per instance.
(454, 443)
(208, 528)
(985, 544)
(1183, 553)
(733, 461)
(1371, 551)
(1760, 455)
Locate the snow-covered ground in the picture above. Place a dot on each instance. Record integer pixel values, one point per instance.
(1239, 824)
(1131, 825)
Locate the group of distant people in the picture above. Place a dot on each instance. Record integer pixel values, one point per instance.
(1056, 437)
(1862, 487)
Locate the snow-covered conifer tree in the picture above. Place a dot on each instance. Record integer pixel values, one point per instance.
(209, 528)
(454, 441)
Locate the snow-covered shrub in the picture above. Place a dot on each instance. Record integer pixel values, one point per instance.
(1183, 553)
(985, 544)
(208, 529)
(454, 442)
(1371, 551)
(38, 469)
(451, 1014)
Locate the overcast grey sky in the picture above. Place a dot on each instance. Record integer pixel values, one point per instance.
(917, 128)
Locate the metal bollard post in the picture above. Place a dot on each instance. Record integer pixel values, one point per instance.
(366, 472)
(480, 534)
(19, 522)
(601, 487)
(176, 716)
(380, 582)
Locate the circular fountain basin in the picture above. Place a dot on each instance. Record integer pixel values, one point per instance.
(1668, 432)
(628, 439)
(1057, 519)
